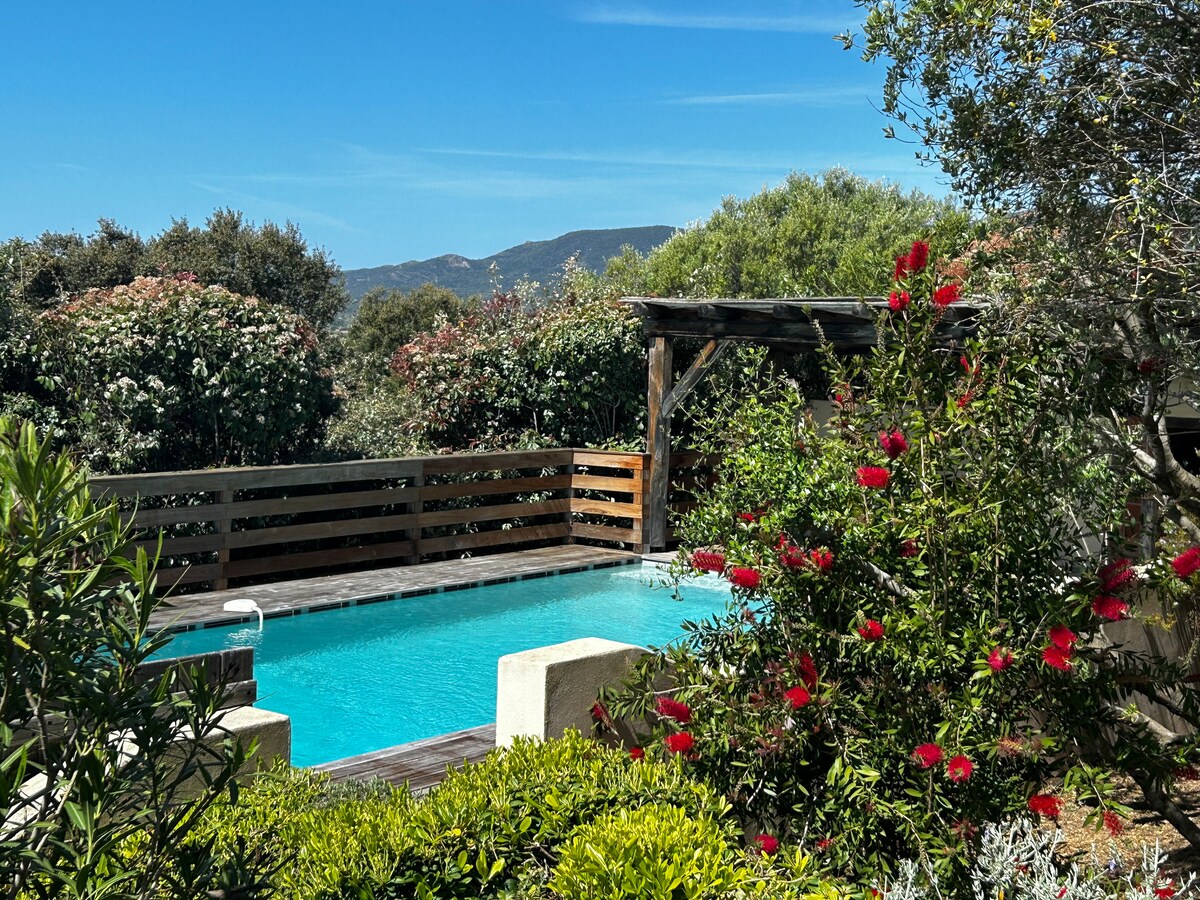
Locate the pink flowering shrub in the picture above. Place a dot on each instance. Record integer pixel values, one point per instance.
(949, 667)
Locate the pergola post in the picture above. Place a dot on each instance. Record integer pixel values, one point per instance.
(787, 324)
(658, 444)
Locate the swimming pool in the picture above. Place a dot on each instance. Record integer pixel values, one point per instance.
(368, 677)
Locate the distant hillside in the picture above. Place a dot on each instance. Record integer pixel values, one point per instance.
(534, 260)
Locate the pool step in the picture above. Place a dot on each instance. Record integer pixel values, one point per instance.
(421, 763)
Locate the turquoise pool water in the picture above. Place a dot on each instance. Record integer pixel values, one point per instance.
(367, 677)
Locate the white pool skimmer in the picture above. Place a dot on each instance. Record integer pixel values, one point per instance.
(245, 605)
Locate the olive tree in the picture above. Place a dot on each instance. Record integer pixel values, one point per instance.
(1080, 119)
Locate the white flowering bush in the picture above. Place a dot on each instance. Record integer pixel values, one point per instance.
(165, 373)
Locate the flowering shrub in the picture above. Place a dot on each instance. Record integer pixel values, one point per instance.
(165, 373)
(951, 651)
(570, 372)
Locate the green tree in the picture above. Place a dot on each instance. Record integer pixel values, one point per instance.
(832, 235)
(103, 773)
(269, 262)
(272, 263)
(1079, 118)
(388, 318)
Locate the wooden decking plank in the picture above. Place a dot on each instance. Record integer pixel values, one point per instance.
(289, 597)
(421, 764)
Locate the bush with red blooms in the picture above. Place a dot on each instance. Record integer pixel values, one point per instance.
(949, 663)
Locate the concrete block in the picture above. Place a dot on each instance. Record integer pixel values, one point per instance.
(273, 731)
(543, 691)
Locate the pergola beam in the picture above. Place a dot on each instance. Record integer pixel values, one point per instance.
(849, 324)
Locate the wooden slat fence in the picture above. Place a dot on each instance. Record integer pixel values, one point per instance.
(262, 523)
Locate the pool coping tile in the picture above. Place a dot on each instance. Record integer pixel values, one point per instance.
(192, 612)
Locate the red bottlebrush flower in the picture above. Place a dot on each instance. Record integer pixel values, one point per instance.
(909, 548)
(823, 844)
(918, 257)
(1115, 575)
(1046, 805)
(821, 560)
(680, 742)
(745, 578)
(1057, 658)
(928, 755)
(999, 659)
(637, 753)
(1062, 637)
(872, 476)
(1112, 608)
(959, 768)
(947, 294)
(600, 715)
(708, 561)
(964, 399)
(767, 844)
(808, 672)
(670, 708)
(1166, 892)
(1187, 563)
(798, 697)
(898, 301)
(893, 443)
(1113, 822)
(747, 517)
(901, 270)
(871, 631)
(792, 557)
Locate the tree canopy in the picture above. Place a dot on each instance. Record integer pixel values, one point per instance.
(827, 235)
(1080, 118)
(270, 262)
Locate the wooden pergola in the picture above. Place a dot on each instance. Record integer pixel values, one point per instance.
(795, 325)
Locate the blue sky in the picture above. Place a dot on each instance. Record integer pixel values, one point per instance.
(400, 130)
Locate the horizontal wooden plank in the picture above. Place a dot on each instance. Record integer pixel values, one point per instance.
(606, 483)
(169, 577)
(214, 512)
(610, 459)
(311, 531)
(493, 462)
(456, 490)
(492, 513)
(606, 533)
(254, 477)
(285, 562)
(499, 537)
(606, 508)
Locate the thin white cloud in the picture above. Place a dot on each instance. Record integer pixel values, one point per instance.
(291, 212)
(821, 96)
(641, 17)
(693, 159)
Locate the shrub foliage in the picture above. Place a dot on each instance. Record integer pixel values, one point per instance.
(924, 584)
(165, 374)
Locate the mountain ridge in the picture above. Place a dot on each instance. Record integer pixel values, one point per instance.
(531, 260)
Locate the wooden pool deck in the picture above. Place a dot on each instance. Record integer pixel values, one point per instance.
(421, 764)
(289, 598)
